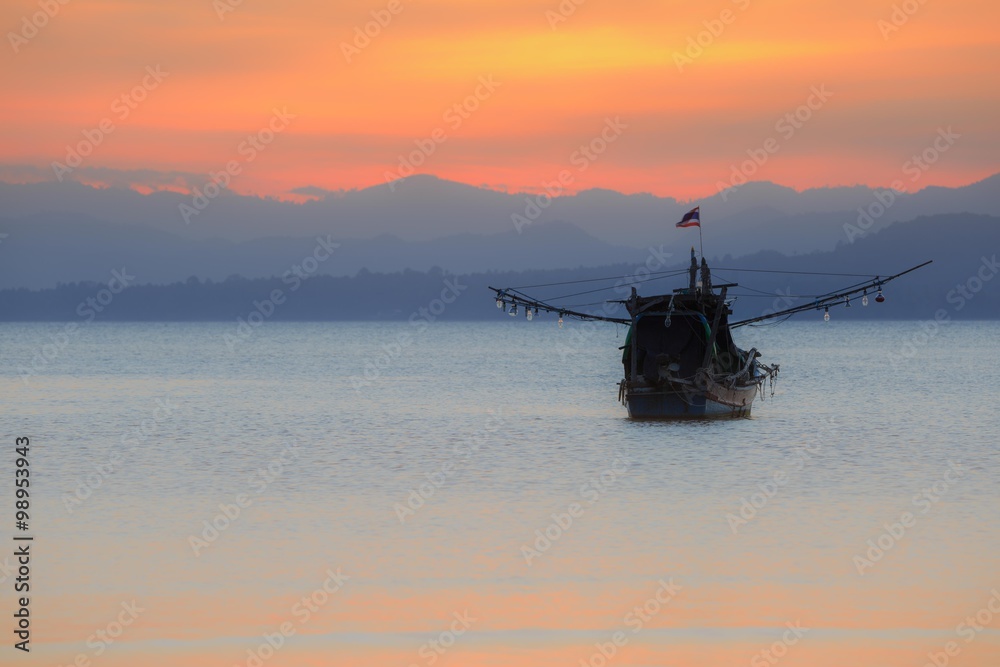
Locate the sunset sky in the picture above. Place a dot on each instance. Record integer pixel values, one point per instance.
(559, 76)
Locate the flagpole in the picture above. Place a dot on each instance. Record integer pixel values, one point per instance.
(701, 244)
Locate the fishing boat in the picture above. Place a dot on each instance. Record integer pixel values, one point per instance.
(679, 358)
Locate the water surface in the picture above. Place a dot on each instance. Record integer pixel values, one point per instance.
(419, 463)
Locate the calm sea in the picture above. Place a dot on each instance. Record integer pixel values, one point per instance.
(473, 494)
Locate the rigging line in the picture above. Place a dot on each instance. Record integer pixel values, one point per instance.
(592, 280)
(591, 291)
(771, 294)
(771, 323)
(562, 296)
(518, 294)
(544, 304)
(583, 305)
(875, 283)
(863, 283)
(798, 296)
(802, 273)
(604, 289)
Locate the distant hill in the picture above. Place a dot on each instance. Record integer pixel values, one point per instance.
(70, 232)
(963, 248)
(49, 249)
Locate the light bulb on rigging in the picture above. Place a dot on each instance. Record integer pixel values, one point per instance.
(847, 302)
(500, 303)
(878, 296)
(864, 298)
(528, 314)
(826, 314)
(513, 311)
(560, 320)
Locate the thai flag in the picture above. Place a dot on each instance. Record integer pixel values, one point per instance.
(692, 218)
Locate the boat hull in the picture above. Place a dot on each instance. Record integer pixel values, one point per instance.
(688, 403)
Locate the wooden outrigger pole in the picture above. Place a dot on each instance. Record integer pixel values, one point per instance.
(833, 298)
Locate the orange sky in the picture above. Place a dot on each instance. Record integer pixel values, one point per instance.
(685, 127)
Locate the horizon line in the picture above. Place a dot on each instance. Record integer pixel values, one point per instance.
(317, 193)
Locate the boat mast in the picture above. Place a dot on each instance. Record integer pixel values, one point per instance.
(694, 270)
(713, 332)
